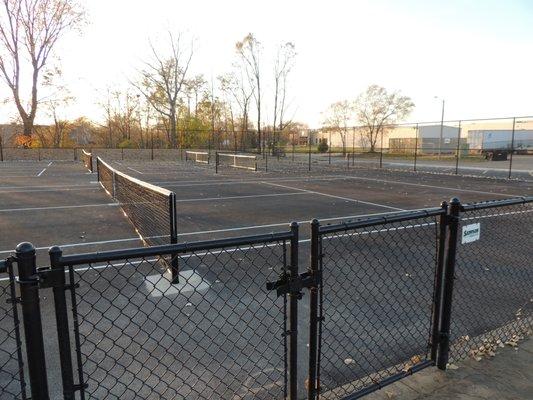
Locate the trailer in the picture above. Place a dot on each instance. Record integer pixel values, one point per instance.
(496, 144)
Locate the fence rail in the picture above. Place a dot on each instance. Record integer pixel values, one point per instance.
(388, 297)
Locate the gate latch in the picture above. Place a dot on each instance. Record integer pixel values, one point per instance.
(51, 277)
(288, 285)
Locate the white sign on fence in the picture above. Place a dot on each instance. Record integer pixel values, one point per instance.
(471, 233)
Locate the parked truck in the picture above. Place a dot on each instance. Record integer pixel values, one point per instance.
(496, 145)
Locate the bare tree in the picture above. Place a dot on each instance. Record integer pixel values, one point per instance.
(377, 109)
(58, 97)
(338, 118)
(163, 80)
(29, 31)
(249, 50)
(235, 87)
(282, 67)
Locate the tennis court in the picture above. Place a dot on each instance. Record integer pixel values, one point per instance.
(62, 203)
(55, 202)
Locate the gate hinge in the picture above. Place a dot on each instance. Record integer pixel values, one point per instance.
(288, 285)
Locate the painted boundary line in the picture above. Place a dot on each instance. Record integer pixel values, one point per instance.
(236, 249)
(257, 247)
(173, 184)
(222, 230)
(243, 228)
(333, 196)
(177, 201)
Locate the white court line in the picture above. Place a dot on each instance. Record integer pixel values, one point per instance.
(58, 207)
(135, 170)
(49, 190)
(335, 197)
(50, 163)
(195, 233)
(40, 173)
(178, 201)
(244, 248)
(252, 227)
(323, 178)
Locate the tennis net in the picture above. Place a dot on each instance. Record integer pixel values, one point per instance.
(197, 156)
(87, 158)
(236, 161)
(151, 209)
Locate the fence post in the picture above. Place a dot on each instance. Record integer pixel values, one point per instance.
(448, 278)
(437, 288)
(512, 149)
(309, 144)
(31, 315)
(458, 149)
(416, 147)
(294, 296)
(313, 312)
(63, 337)
(216, 162)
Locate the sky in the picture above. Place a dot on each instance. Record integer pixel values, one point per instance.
(476, 55)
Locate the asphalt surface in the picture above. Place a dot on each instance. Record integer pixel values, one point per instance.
(137, 344)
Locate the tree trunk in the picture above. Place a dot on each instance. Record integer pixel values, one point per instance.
(173, 131)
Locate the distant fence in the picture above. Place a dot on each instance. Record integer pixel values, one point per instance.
(388, 296)
(508, 163)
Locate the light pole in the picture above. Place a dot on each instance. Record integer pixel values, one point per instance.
(441, 126)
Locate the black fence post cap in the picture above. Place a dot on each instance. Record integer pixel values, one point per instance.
(25, 248)
(54, 250)
(455, 201)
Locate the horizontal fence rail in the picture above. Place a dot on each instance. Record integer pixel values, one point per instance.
(389, 295)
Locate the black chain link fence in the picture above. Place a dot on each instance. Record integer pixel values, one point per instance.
(383, 293)
(493, 288)
(376, 301)
(217, 334)
(12, 382)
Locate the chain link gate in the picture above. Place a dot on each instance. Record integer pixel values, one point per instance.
(375, 314)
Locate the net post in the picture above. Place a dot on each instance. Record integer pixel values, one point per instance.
(114, 184)
(98, 169)
(448, 277)
(31, 314)
(61, 314)
(313, 311)
(173, 237)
